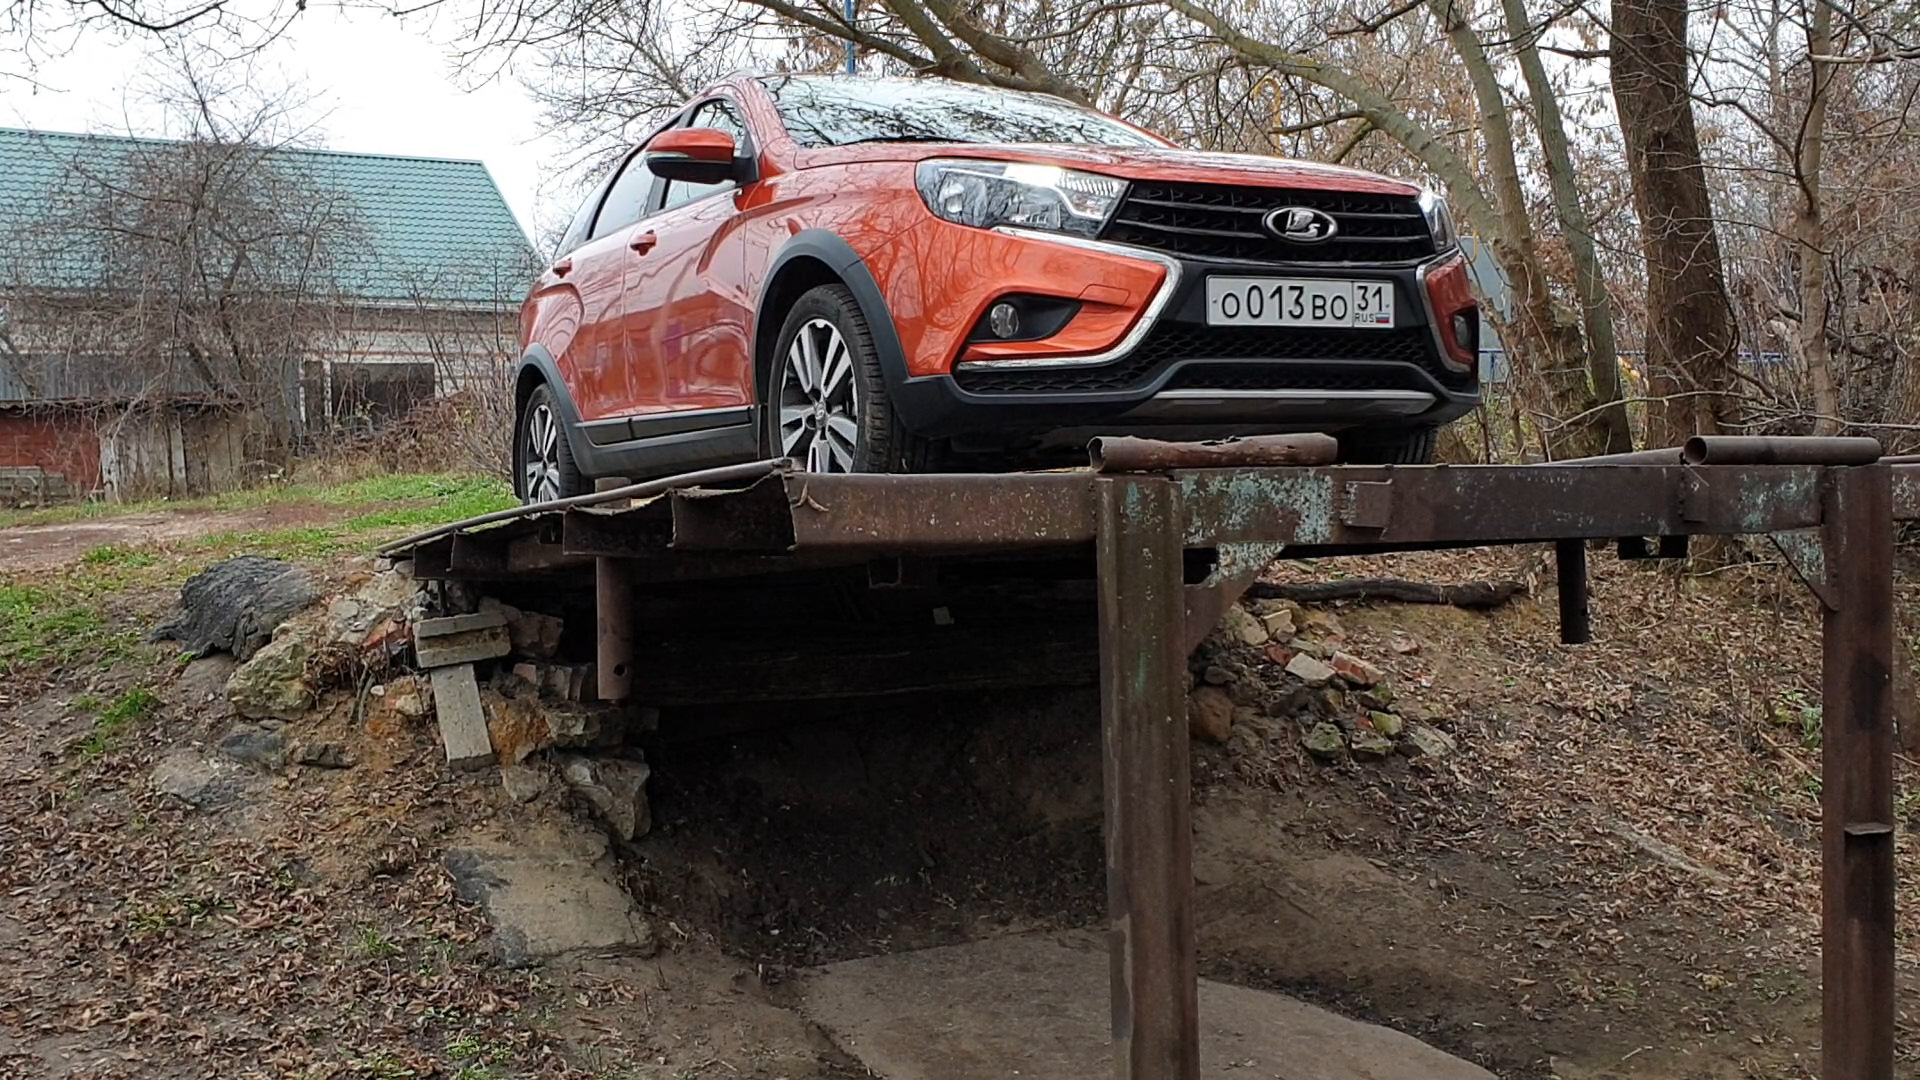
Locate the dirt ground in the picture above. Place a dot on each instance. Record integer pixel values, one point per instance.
(1615, 877)
(27, 548)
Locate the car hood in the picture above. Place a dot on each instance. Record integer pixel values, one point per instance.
(1132, 163)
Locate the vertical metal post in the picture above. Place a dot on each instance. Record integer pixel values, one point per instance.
(1570, 570)
(1856, 772)
(850, 64)
(613, 618)
(1156, 1026)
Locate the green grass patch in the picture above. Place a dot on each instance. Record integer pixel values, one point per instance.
(113, 555)
(419, 502)
(115, 718)
(454, 491)
(52, 628)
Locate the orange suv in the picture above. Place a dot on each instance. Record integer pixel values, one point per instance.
(878, 275)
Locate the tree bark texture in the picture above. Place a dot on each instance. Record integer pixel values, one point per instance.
(1690, 339)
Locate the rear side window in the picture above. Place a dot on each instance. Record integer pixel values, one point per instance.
(576, 233)
(720, 116)
(627, 199)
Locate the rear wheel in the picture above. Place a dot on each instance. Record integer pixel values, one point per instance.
(1401, 446)
(827, 406)
(543, 465)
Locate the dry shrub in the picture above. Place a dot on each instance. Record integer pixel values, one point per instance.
(463, 432)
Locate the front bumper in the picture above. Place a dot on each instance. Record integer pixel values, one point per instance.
(1176, 375)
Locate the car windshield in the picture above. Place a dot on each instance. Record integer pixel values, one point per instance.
(839, 110)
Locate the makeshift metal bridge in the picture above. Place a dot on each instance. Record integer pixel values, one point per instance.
(1166, 536)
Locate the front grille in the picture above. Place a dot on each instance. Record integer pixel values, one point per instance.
(1258, 376)
(1224, 221)
(1172, 342)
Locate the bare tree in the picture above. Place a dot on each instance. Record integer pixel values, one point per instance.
(204, 270)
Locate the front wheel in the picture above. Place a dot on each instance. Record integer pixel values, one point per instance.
(827, 406)
(543, 465)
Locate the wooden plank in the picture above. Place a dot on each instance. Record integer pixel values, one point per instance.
(463, 723)
(1156, 1024)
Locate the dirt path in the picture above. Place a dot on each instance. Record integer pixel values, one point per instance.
(40, 547)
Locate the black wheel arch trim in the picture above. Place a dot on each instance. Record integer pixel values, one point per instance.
(829, 248)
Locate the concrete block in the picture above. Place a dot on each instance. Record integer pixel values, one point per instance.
(463, 723)
(459, 624)
(465, 647)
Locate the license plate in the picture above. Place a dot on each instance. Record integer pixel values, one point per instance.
(1239, 301)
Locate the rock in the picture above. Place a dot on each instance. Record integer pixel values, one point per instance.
(193, 779)
(616, 788)
(524, 724)
(1210, 714)
(528, 673)
(234, 606)
(1240, 624)
(547, 895)
(1289, 701)
(1280, 654)
(406, 698)
(324, 755)
(1312, 648)
(1215, 675)
(1378, 696)
(273, 684)
(530, 633)
(1279, 624)
(1331, 702)
(462, 719)
(1385, 723)
(1403, 643)
(1325, 742)
(255, 745)
(204, 682)
(1309, 670)
(1356, 671)
(1371, 745)
(1427, 742)
(1420, 712)
(1323, 624)
(525, 783)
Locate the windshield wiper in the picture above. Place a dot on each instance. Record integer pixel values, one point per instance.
(904, 139)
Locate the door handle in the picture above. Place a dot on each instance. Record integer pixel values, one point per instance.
(563, 268)
(643, 243)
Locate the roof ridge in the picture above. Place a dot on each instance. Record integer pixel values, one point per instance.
(306, 151)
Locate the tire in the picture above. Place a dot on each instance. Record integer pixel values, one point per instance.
(543, 465)
(1403, 446)
(827, 405)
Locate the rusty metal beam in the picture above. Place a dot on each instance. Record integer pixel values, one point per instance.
(1126, 453)
(1856, 770)
(1490, 504)
(1156, 1027)
(934, 515)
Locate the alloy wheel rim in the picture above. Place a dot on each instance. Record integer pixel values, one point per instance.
(819, 400)
(540, 456)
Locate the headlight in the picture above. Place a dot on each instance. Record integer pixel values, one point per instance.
(990, 193)
(1439, 220)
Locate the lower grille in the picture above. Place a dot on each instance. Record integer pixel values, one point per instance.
(1170, 343)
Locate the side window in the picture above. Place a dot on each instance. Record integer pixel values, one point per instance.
(627, 201)
(720, 116)
(576, 233)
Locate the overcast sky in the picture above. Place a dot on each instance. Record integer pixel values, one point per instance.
(379, 86)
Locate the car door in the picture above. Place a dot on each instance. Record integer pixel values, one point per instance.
(599, 366)
(687, 307)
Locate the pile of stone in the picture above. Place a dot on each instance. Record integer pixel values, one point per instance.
(1272, 658)
(494, 680)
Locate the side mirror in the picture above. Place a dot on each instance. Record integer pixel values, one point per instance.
(695, 155)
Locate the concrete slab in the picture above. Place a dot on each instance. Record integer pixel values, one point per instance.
(1035, 1007)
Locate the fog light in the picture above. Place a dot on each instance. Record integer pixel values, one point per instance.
(1003, 319)
(1464, 332)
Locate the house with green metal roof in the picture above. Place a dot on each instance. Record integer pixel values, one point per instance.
(172, 311)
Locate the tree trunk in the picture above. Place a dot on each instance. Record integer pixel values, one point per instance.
(1614, 433)
(1690, 338)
